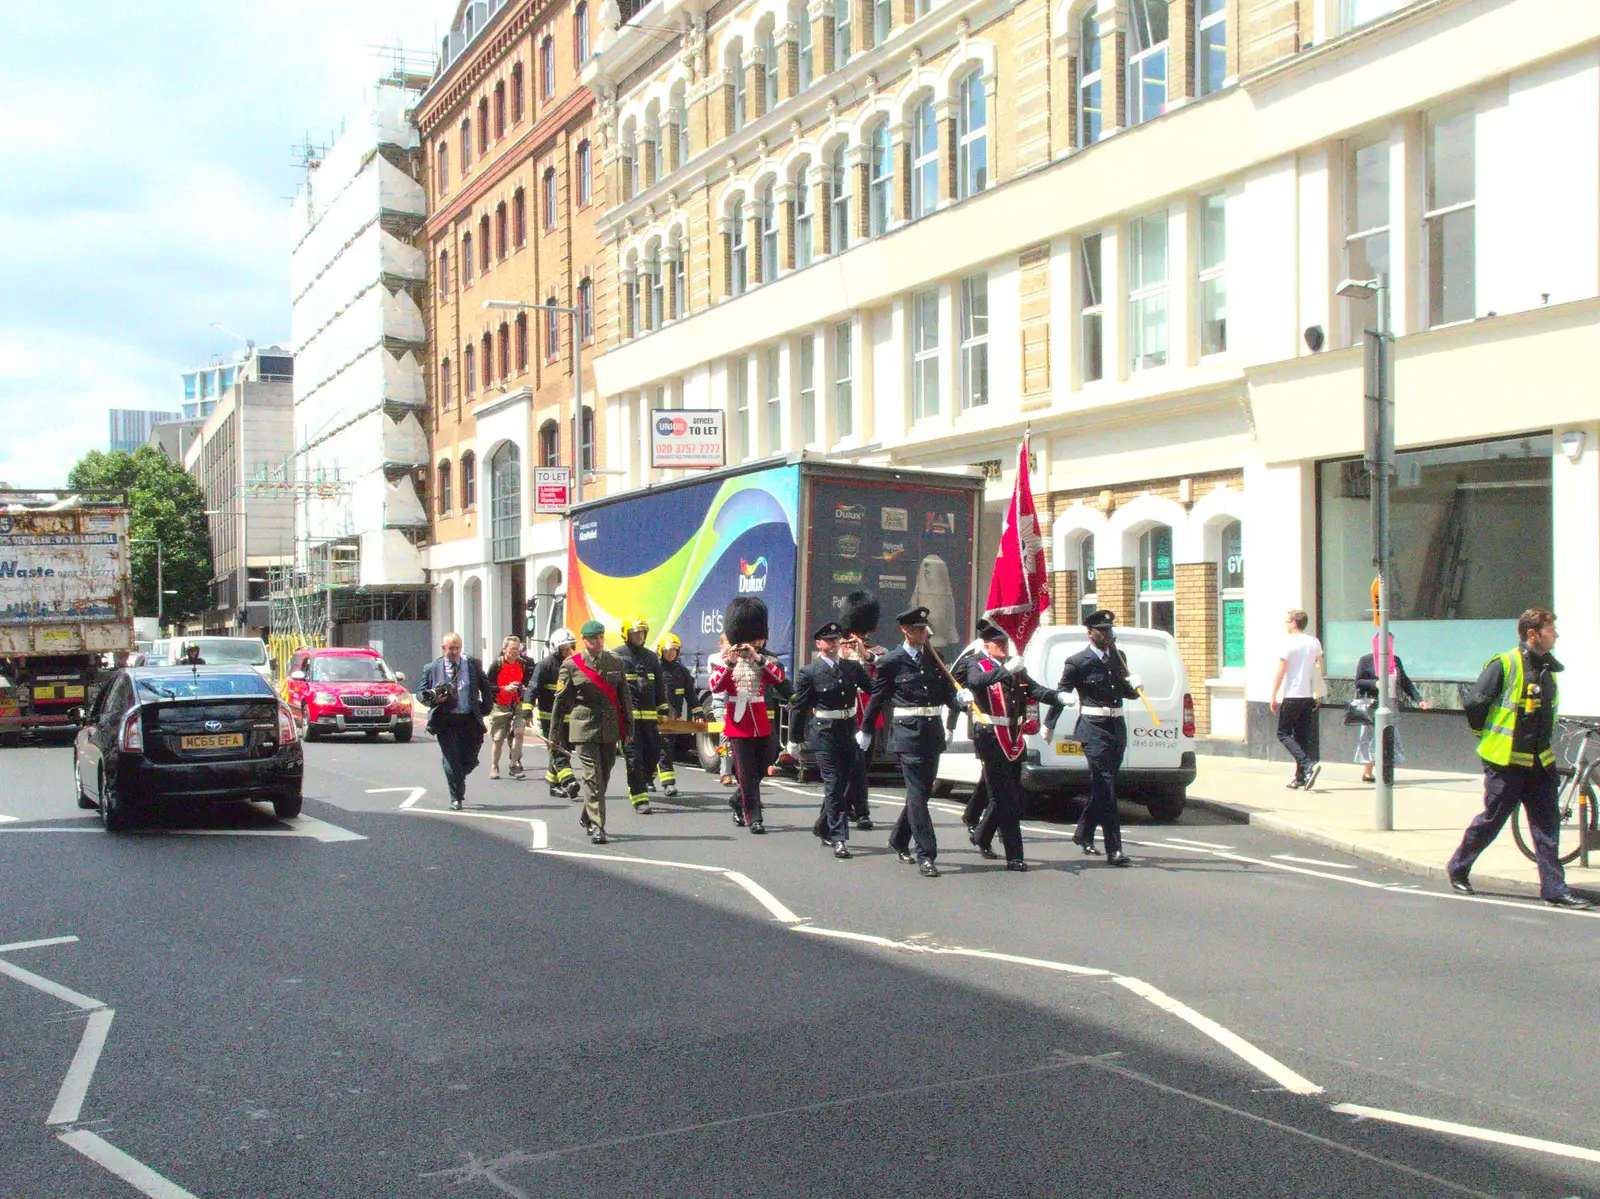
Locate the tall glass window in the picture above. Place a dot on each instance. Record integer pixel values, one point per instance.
(802, 218)
(657, 283)
(924, 161)
(841, 32)
(736, 65)
(807, 384)
(1230, 596)
(445, 500)
(882, 181)
(774, 406)
(1088, 597)
(736, 250)
(769, 236)
(1091, 313)
(844, 400)
(769, 69)
(972, 138)
(1147, 60)
(505, 520)
(580, 26)
(838, 201)
(1450, 218)
(680, 281)
(1210, 44)
(1090, 103)
(1147, 292)
(585, 174)
(802, 41)
(1366, 243)
(974, 341)
(739, 379)
(882, 20)
(1156, 600)
(586, 309)
(680, 122)
(1213, 283)
(925, 354)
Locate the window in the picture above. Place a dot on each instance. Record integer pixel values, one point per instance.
(841, 32)
(547, 67)
(802, 41)
(483, 243)
(924, 161)
(518, 101)
(680, 280)
(1090, 104)
(487, 360)
(586, 309)
(444, 384)
(1359, 12)
(1147, 292)
(769, 236)
(844, 403)
(519, 218)
(972, 138)
(586, 442)
(585, 175)
(505, 518)
(443, 172)
(882, 21)
(483, 126)
(658, 147)
(680, 120)
(769, 69)
(549, 443)
(925, 354)
(1366, 243)
(469, 379)
(499, 110)
(1088, 589)
(808, 389)
(802, 218)
(657, 283)
(466, 144)
(444, 489)
(922, 7)
(552, 329)
(1147, 60)
(444, 275)
(736, 65)
(739, 384)
(469, 481)
(549, 198)
(1211, 44)
(580, 32)
(636, 298)
(501, 231)
(838, 201)
(1156, 607)
(1213, 297)
(1230, 596)
(522, 341)
(882, 181)
(1450, 242)
(774, 408)
(974, 341)
(466, 258)
(504, 342)
(736, 263)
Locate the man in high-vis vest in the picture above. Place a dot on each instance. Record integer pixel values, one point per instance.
(1512, 708)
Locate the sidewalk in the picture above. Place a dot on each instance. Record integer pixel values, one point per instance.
(1431, 810)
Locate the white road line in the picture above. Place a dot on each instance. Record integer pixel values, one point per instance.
(954, 951)
(1268, 1065)
(303, 826)
(414, 793)
(138, 1175)
(86, 828)
(631, 861)
(1526, 905)
(1556, 1148)
(33, 980)
(40, 944)
(4, 819)
(764, 897)
(1354, 882)
(69, 1099)
(1202, 844)
(1289, 857)
(540, 832)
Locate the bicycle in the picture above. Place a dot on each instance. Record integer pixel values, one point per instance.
(1578, 764)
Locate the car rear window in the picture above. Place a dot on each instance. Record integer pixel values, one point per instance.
(228, 651)
(354, 669)
(1149, 660)
(190, 685)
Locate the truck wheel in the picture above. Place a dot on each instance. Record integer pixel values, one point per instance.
(286, 807)
(113, 814)
(77, 778)
(705, 749)
(1166, 806)
(402, 733)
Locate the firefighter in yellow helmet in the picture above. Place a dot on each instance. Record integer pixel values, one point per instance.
(642, 669)
(683, 703)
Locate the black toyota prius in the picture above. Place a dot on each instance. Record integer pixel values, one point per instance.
(186, 733)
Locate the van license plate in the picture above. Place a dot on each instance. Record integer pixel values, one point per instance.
(214, 741)
(1070, 749)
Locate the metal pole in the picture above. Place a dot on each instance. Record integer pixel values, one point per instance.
(161, 593)
(1383, 717)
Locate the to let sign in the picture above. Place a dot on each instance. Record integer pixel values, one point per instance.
(552, 488)
(686, 437)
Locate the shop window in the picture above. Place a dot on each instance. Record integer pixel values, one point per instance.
(1230, 596)
(1157, 609)
(1088, 598)
(1472, 529)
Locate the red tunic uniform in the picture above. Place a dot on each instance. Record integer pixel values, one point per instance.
(746, 711)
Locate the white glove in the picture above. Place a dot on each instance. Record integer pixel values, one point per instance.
(1135, 682)
(794, 750)
(964, 697)
(1014, 664)
(864, 739)
(1067, 699)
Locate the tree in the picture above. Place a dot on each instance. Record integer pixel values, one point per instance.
(166, 506)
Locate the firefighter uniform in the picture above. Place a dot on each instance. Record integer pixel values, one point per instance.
(642, 670)
(682, 703)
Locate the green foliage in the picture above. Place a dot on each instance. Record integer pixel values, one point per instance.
(167, 507)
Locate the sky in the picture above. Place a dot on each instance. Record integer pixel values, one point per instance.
(149, 162)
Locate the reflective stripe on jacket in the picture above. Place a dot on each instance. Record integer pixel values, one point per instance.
(1496, 744)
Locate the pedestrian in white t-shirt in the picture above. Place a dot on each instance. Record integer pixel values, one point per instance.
(1299, 666)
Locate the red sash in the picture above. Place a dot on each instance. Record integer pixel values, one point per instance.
(605, 689)
(1006, 732)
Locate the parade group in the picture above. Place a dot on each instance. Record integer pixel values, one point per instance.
(590, 704)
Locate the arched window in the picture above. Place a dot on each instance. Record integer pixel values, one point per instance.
(547, 67)
(552, 329)
(444, 275)
(802, 216)
(549, 443)
(522, 341)
(769, 236)
(657, 283)
(924, 161)
(800, 18)
(499, 110)
(443, 173)
(680, 121)
(517, 93)
(841, 32)
(630, 162)
(519, 218)
(1155, 582)
(769, 68)
(588, 440)
(469, 481)
(1088, 590)
(444, 488)
(444, 384)
(1230, 598)
(586, 310)
(655, 144)
(838, 201)
(505, 515)
(972, 138)
(1211, 44)
(735, 65)
(502, 238)
(488, 359)
(580, 32)
(1147, 60)
(466, 144)
(549, 198)
(1090, 103)
(736, 249)
(585, 170)
(679, 265)
(466, 257)
(882, 181)
(635, 288)
(469, 373)
(483, 243)
(882, 21)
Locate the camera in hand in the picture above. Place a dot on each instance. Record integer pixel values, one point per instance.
(434, 696)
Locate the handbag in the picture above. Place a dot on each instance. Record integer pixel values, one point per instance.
(1359, 709)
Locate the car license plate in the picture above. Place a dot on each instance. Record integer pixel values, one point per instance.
(368, 712)
(1071, 749)
(214, 741)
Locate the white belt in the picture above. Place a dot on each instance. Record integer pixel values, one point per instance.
(1092, 710)
(919, 711)
(835, 714)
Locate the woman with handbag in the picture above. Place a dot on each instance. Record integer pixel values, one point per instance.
(1366, 700)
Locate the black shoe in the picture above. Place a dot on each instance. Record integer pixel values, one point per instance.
(1089, 847)
(1018, 865)
(583, 820)
(819, 830)
(929, 870)
(518, 773)
(1117, 858)
(972, 833)
(1311, 777)
(738, 819)
(906, 856)
(841, 850)
(1295, 783)
(598, 835)
(1460, 885)
(865, 824)
(985, 852)
(455, 805)
(757, 828)
(1569, 900)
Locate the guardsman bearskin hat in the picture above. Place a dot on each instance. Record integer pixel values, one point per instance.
(860, 614)
(744, 620)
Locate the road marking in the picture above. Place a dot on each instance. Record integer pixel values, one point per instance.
(69, 1099)
(764, 897)
(761, 895)
(4, 819)
(1202, 844)
(1268, 1065)
(132, 1171)
(540, 832)
(1470, 1131)
(303, 826)
(415, 793)
(1289, 857)
(953, 951)
(76, 828)
(37, 944)
(38, 983)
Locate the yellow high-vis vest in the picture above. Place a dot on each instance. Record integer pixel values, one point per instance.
(1496, 741)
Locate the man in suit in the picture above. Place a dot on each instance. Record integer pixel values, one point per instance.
(465, 697)
(911, 690)
(1099, 674)
(825, 699)
(591, 716)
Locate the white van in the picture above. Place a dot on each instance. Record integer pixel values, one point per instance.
(222, 651)
(1159, 765)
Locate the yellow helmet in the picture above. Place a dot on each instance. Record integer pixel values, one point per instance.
(635, 624)
(668, 641)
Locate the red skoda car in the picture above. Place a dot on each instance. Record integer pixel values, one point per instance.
(347, 691)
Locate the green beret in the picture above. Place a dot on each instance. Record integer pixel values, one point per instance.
(592, 628)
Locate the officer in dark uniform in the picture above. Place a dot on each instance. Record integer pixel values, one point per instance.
(642, 669)
(541, 691)
(1001, 689)
(1099, 674)
(825, 698)
(911, 689)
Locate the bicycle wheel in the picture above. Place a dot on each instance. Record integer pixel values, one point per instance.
(1569, 836)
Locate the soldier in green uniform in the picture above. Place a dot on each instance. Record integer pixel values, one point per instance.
(590, 718)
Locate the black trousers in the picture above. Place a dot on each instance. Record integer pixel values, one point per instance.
(751, 757)
(460, 738)
(1504, 787)
(1297, 732)
(1105, 740)
(644, 751)
(839, 758)
(1002, 778)
(979, 805)
(860, 808)
(914, 822)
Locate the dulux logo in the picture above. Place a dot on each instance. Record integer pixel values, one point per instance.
(752, 576)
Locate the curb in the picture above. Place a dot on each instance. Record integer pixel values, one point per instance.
(1238, 814)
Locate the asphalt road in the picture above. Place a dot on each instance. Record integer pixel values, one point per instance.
(397, 1000)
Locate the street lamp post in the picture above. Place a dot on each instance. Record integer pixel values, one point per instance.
(160, 586)
(577, 378)
(1379, 455)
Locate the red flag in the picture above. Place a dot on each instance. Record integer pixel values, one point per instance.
(1018, 597)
